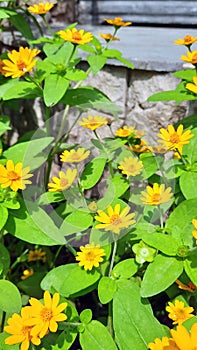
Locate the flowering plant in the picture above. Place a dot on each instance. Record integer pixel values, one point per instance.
(92, 237)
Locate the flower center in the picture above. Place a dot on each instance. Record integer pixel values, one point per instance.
(76, 36)
(156, 198)
(125, 132)
(174, 138)
(90, 256)
(115, 219)
(12, 175)
(46, 314)
(22, 66)
(75, 157)
(63, 182)
(187, 38)
(26, 330)
(194, 58)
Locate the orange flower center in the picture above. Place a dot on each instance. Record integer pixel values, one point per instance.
(156, 198)
(174, 138)
(26, 330)
(22, 66)
(76, 36)
(75, 157)
(115, 219)
(90, 256)
(46, 314)
(194, 58)
(12, 175)
(63, 182)
(187, 38)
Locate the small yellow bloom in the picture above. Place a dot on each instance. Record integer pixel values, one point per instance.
(131, 166)
(76, 36)
(93, 207)
(156, 195)
(125, 131)
(178, 312)
(37, 254)
(194, 232)
(64, 181)
(20, 331)
(41, 8)
(27, 273)
(192, 87)
(190, 287)
(191, 57)
(163, 344)
(90, 256)
(187, 40)
(184, 339)
(117, 22)
(20, 62)
(108, 37)
(143, 147)
(45, 317)
(115, 220)
(74, 156)
(14, 176)
(173, 139)
(93, 122)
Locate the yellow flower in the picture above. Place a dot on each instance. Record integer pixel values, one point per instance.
(143, 147)
(185, 340)
(37, 254)
(108, 37)
(41, 8)
(76, 36)
(14, 176)
(187, 40)
(125, 131)
(20, 332)
(74, 156)
(174, 140)
(20, 62)
(163, 344)
(115, 220)
(178, 312)
(156, 195)
(192, 87)
(131, 166)
(90, 256)
(27, 273)
(190, 287)
(194, 232)
(93, 123)
(64, 181)
(191, 57)
(93, 207)
(45, 317)
(117, 22)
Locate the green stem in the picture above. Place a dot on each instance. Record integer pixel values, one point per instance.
(47, 25)
(56, 256)
(161, 217)
(110, 319)
(182, 158)
(72, 324)
(47, 120)
(113, 256)
(71, 249)
(111, 168)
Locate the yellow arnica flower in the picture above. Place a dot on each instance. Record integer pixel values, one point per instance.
(192, 87)
(115, 220)
(131, 166)
(187, 40)
(14, 176)
(41, 8)
(37, 254)
(20, 332)
(190, 287)
(117, 22)
(163, 344)
(173, 139)
(125, 131)
(93, 122)
(74, 156)
(90, 256)
(191, 57)
(194, 232)
(76, 36)
(156, 195)
(64, 181)
(20, 62)
(184, 339)
(108, 37)
(45, 317)
(27, 273)
(178, 312)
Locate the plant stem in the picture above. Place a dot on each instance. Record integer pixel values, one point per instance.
(113, 256)
(110, 319)
(47, 26)
(47, 120)
(161, 217)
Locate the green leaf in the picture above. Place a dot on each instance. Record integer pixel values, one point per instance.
(7, 13)
(125, 269)
(96, 63)
(4, 124)
(177, 95)
(190, 266)
(92, 172)
(165, 270)
(109, 53)
(150, 164)
(4, 260)
(75, 74)
(22, 25)
(97, 337)
(75, 280)
(165, 243)
(190, 150)
(186, 74)
(3, 215)
(126, 62)
(134, 323)
(57, 83)
(10, 298)
(3, 346)
(51, 197)
(106, 289)
(75, 222)
(31, 285)
(188, 181)
(117, 186)
(86, 316)
(188, 122)
(22, 89)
